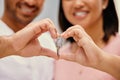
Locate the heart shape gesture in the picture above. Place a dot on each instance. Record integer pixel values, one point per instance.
(25, 42)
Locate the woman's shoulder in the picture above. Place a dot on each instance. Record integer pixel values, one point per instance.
(114, 45)
(117, 38)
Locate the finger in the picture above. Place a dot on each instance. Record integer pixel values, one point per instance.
(69, 57)
(75, 33)
(67, 34)
(49, 26)
(49, 53)
(33, 29)
(52, 29)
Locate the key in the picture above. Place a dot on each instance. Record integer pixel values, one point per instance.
(58, 51)
(59, 43)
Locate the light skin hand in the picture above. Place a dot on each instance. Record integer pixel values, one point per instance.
(25, 42)
(88, 54)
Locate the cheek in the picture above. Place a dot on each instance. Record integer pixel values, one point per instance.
(97, 11)
(40, 5)
(97, 6)
(10, 6)
(66, 10)
(66, 6)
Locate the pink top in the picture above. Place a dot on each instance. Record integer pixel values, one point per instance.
(65, 70)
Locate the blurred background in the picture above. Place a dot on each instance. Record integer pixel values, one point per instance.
(50, 10)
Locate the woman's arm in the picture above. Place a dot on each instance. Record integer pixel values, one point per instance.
(91, 55)
(110, 64)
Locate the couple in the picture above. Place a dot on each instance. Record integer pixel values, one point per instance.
(96, 18)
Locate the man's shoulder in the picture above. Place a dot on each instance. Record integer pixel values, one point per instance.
(2, 23)
(4, 29)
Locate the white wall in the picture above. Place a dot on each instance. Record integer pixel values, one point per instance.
(2, 7)
(117, 2)
(50, 10)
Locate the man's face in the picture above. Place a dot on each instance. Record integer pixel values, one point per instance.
(23, 11)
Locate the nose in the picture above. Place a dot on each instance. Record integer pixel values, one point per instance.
(79, 3)
(31, 2)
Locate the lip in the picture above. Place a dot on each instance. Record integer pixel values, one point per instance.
(27, 10)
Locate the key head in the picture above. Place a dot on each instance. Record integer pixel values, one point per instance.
(59, 43)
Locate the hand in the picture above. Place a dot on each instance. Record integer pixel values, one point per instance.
(25, 42)
(88, 53)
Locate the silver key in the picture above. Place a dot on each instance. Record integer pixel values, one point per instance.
(59, 43)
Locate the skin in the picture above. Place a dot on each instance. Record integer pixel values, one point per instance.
(88, 14)
(18, 13)
(15, 45)
(91, 55)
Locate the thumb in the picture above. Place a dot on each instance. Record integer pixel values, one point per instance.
(49, 53)
(68, 57)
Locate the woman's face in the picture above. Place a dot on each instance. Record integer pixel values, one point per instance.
(84, 12)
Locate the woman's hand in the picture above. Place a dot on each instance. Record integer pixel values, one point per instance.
(89, 52)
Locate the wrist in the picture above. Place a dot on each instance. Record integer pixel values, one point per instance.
(110, 64)
(5, 46)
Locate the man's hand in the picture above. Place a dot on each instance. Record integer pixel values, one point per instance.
(25, 42)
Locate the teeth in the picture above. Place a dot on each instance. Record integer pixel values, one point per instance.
(27, 10)
(80, 13)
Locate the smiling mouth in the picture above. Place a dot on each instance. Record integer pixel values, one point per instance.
(26, 9)
(80, 14)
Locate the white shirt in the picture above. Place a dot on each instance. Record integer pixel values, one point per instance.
(33, 68)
